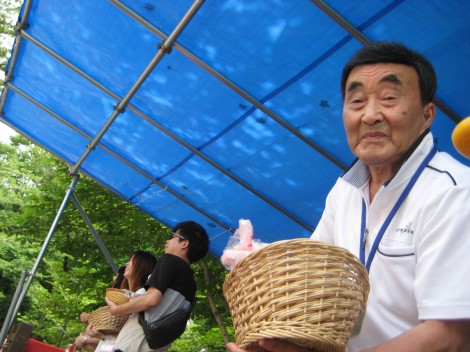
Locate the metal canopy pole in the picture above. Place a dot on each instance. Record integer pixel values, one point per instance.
(185, 144)
(256, 103)
(48, 239)
(22, 23)
(335, 16)
(117, 156)
(154, 123)
(9, 317)
(95, 234)
(163, 48)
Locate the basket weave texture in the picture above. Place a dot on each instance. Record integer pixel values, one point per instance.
(302, 291)
(117, 295)
(102, 320)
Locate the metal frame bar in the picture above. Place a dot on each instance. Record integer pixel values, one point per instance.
(98, 240)
(109, 151)
(158, 126)
(164, 48)
(10, 317)
(15, 52)
(233, 86)
(15, 306)
(335, 16)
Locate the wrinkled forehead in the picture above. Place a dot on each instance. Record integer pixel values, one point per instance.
(378, 71)
(381, 73)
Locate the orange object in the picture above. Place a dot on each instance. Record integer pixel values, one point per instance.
(461, 137)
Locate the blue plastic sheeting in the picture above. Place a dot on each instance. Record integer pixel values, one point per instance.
(241, 120)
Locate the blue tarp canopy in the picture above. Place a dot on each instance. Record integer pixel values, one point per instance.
(218, 110)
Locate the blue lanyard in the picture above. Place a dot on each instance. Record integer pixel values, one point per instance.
(390, 216)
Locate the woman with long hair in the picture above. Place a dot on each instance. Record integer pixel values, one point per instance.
(138, 268)
(89, 342)
(132, 277)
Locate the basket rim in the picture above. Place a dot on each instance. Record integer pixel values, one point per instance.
(303, 339)
(117, 295)
(298, 289)
(305, 240)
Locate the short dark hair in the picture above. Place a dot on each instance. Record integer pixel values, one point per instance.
(397, 53)
(197, 237)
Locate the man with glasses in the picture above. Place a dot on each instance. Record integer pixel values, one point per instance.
(171, 285)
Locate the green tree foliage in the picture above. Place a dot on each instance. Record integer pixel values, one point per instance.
(8, 16)
(74, 273)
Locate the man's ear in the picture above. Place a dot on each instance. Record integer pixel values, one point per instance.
(429, 114)
(185, 244)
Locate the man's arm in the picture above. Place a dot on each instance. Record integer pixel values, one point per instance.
(139, 304)
(431, 336)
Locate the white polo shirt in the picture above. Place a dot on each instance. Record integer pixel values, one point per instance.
(420, 270)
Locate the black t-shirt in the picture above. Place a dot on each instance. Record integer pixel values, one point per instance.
(173, 272)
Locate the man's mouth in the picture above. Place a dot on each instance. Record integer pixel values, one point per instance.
(373, 135)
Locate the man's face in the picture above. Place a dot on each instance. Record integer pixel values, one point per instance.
(175, 243)
(382, 112)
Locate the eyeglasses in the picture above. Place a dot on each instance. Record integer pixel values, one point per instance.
(173, 234)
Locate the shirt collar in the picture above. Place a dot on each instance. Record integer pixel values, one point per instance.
(358, 173)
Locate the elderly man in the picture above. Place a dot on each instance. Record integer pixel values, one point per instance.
(403, 208)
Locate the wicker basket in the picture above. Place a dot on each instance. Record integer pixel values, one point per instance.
(302, 291)
(117, 295)
(102, 320)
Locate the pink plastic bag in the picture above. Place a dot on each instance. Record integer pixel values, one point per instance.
(240, 244)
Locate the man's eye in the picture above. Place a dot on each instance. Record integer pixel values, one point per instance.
(356, 101)
(389, 97)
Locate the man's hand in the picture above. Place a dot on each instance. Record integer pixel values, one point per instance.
(137, 304)
(92, 332)
(80, 340)
(111, 306)
(430, 336)
(272, 345)
(234, 348)
(84, 316)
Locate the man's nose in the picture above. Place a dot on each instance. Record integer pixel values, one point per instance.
(372, 112)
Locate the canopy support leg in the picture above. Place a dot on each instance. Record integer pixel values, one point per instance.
(19, 300)
(9, 316)
(95, 234)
